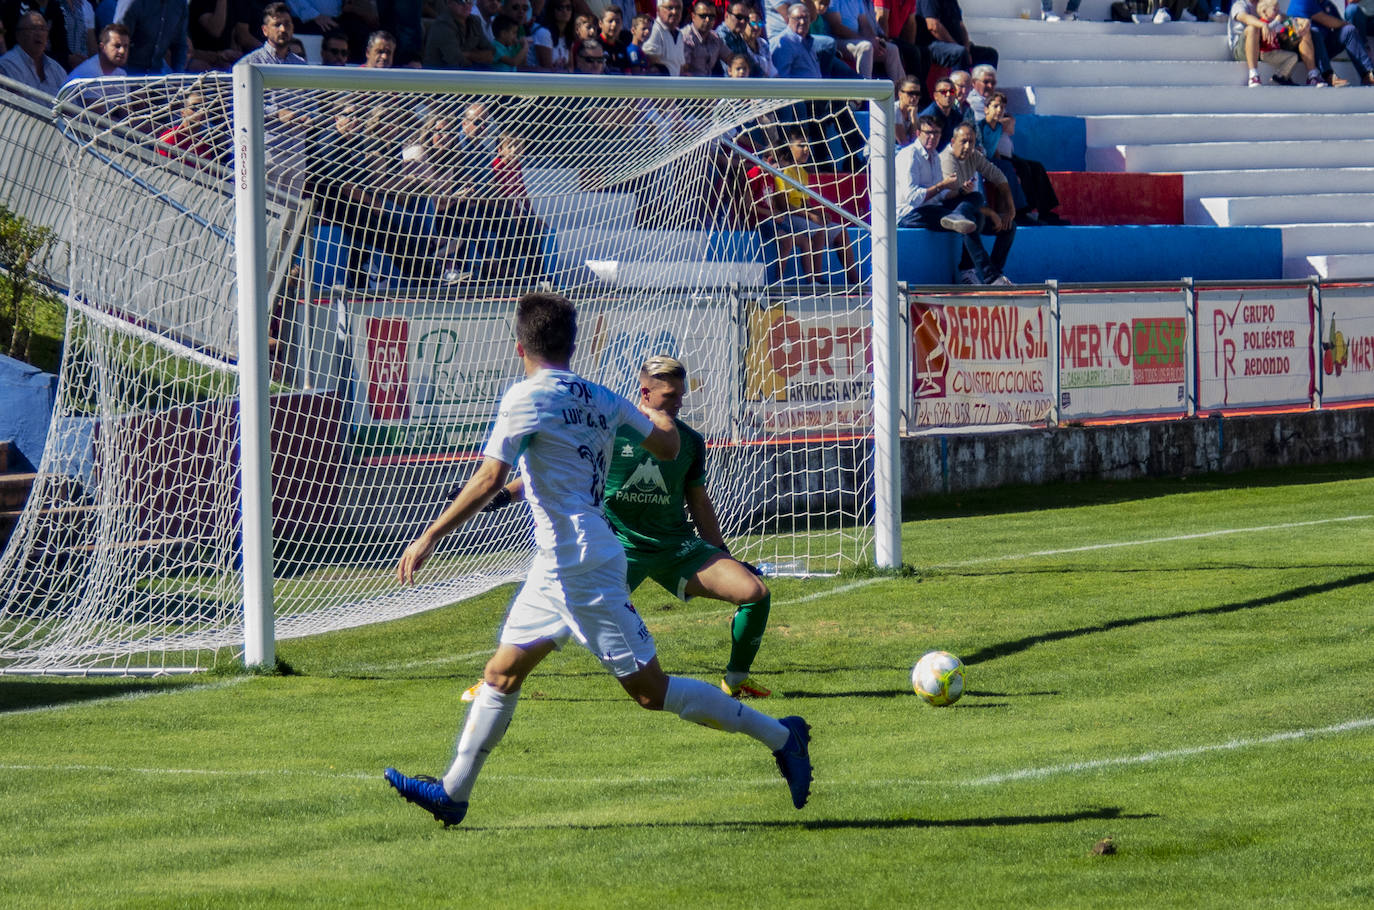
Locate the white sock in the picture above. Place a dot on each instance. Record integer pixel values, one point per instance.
(694, 700)
(488, 717)
(1254, 73)
(1313, 74)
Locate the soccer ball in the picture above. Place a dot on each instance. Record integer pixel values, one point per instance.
(938, 677)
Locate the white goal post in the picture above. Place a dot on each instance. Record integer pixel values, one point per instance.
(289, 325)
(254, 84)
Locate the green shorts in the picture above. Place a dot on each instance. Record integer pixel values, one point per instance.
(670, 568)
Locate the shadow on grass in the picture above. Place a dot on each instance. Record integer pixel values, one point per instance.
(830, 824)
(1011, 500)
(1016, 646)
(28, 694)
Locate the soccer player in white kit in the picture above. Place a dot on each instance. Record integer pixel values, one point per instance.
(559, 429)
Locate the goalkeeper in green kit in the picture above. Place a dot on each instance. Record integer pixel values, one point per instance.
(648, 502)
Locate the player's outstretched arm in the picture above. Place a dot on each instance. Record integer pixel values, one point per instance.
(489, 477)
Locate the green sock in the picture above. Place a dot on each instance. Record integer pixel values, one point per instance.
(746, 634)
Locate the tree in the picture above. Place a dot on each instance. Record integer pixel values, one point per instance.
(25, 250)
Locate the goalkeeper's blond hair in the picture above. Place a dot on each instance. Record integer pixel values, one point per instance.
(661, 366)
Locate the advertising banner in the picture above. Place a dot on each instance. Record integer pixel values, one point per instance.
(1122, 354)
(980, 365)
(1347, 344)
(809, 367)
(426, 385)
(1254, 347)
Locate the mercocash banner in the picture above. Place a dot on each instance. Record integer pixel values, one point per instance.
(1254, 347)
(1122, 354)
(1347, 344)
(980, 365)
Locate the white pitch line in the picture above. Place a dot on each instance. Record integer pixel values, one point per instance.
(1149, 540)
(1148, 757)
(989, 780)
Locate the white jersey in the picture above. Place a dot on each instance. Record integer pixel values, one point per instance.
(559, 429)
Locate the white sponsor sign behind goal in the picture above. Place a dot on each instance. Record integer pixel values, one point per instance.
(1254, 347)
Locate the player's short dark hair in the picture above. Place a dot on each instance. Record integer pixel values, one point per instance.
(275, 11)
(546, 325)
(661, 366)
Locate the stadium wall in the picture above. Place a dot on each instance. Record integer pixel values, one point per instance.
(954, 461)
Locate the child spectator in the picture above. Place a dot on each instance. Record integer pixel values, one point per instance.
(511, 50)
(615, 40)
(584, 27)
(1257, 32)
(641, 27)
(803, 216)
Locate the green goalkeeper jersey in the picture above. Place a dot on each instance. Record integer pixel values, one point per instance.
(644, 498)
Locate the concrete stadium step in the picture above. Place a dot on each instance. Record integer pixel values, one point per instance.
(1201, 156)
(1321, 208)
(1050, 73)
(1084, 101)
(983, 26)
(1133, 129)
(1275, 181)
(1068, 44)
(1087, 197)
(1300, 240)
(1024, 11)
(1346, 265)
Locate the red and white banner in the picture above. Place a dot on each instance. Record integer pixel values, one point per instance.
(1347, 344)
(808, 368)
(1254, 347)
(1122, 354)
(980, 365)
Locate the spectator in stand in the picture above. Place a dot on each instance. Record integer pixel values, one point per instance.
(794, 55)
(380, 53)
(455, 40)
(334, 49)
(404, 19)
(972, 215)
(584, 27)
(641, 27)
(553, 37)
(1331, 35)
(189, 141)
(355, 18)
(71, 28)
(1360, 13)
(852, 26)
(757, 47)
(1047, 12)
(247, 24)
(485, 11)
(923, 189)
(26, 63)
(510, 50)
(664, 47)
(520, 231)
(908, 110)
(1254, 38)
(590, 58)
(944, 111)
(614, 40)
(732, 26)
(804, 216)
(702, 49)
(211, 32)
(948, 40)
(960, 80)
(896, 19)
(982, 83)
(157, 35)
(278, 29)
(109, 60)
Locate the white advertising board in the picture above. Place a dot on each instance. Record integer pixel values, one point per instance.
(1347, 344)
(1122, 354)
(1254, 347)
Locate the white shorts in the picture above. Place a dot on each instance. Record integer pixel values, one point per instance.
(593, 607)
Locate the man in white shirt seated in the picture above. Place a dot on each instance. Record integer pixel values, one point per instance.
(110, 57)
(26, 63)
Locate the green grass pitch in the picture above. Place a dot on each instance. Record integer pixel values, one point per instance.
(1181, 666)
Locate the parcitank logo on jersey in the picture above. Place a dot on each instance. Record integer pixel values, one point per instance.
(644, 485)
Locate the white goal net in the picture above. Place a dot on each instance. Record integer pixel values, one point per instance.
(403, 216)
